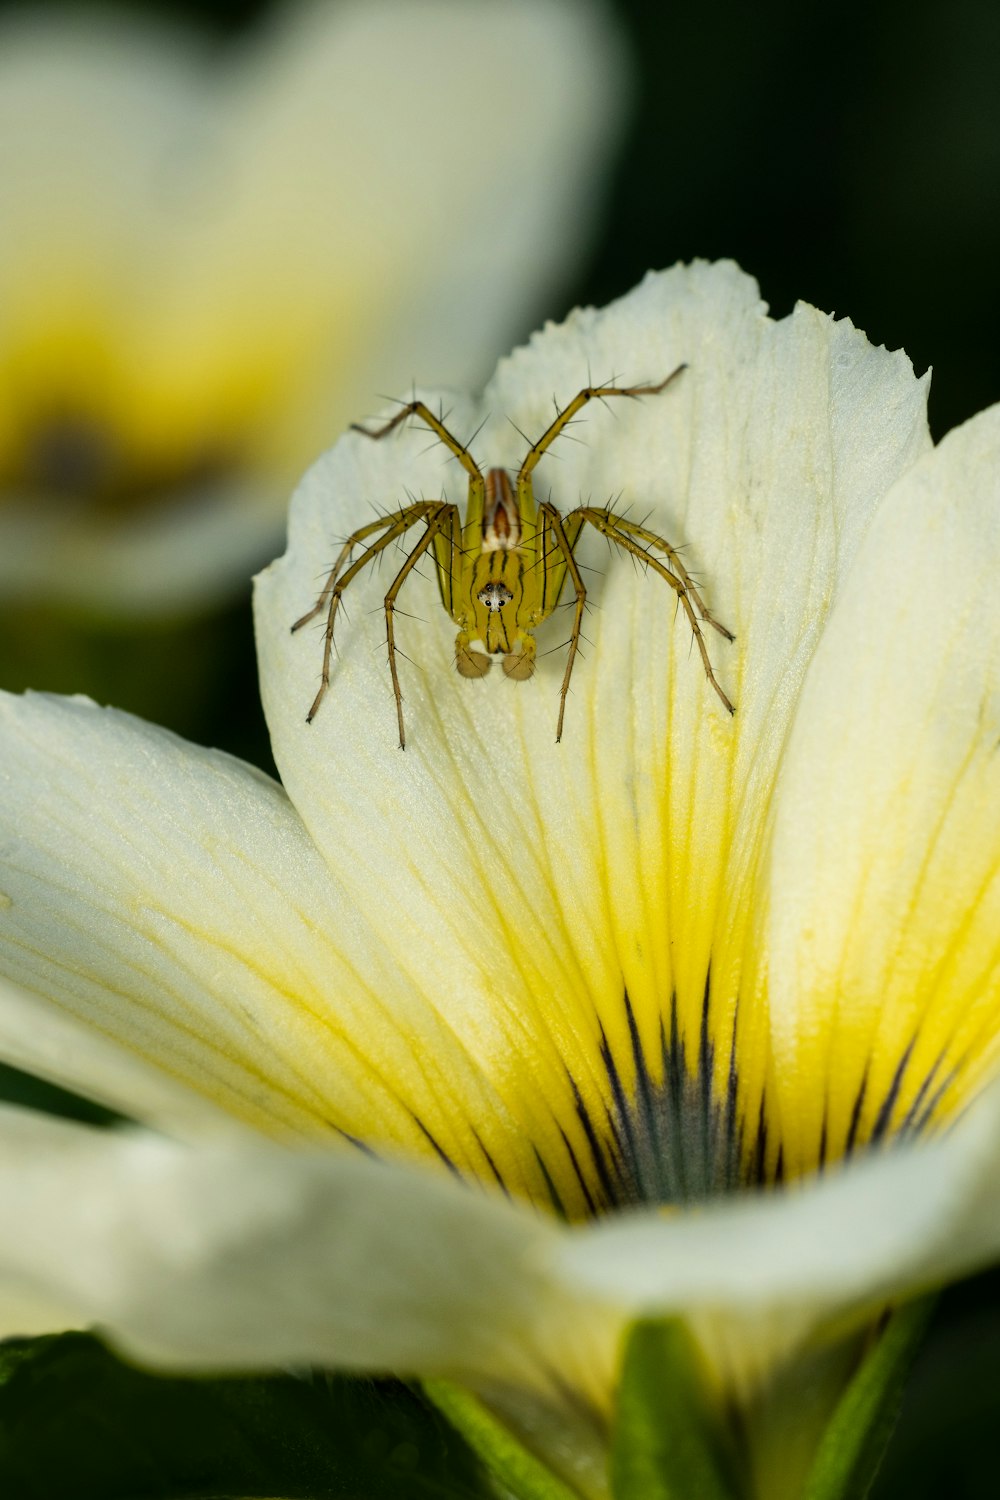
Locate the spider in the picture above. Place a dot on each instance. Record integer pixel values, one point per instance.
(502, 571)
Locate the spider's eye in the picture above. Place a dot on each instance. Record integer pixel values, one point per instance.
(494, 596)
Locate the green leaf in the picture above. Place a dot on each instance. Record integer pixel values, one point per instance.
(669, 1441)
(859, 1431)
(524, 1475)
(76, 1421)
(29, 1092)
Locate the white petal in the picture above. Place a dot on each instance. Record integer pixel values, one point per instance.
(884, 878)
(528, 885)
(42, 1038)
(252, 1257)
(90, 111)
(32, 1305)
(170, 898)
(94, 115)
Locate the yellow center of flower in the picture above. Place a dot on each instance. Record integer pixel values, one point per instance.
(676, 1123)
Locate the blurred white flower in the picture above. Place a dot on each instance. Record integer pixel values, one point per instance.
(677, 958)
(210, 263)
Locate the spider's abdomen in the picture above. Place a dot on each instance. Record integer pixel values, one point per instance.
(501, 514)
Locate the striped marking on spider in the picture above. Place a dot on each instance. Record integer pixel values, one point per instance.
(502, 570)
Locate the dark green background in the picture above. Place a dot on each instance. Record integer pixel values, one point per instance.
(849, 156)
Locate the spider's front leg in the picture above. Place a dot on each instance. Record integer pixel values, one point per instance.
(422, 410)
(565, 416)
(651, 539)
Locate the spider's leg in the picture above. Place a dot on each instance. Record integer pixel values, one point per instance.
(392, 529)
(676, 565)
(619, 532)
(421, 410)
(436, 521)
(555, 522)
(589, 393)
(342, 556)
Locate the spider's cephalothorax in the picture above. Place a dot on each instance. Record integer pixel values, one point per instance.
(502, 571)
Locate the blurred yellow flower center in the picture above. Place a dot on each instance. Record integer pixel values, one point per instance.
(73, 457)
(83, 422)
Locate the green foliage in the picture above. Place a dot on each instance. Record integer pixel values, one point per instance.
(669, 1441)
(29, 1092)
(517, 1469)
(945, 1443)
(76, 1421)
(854, 1442)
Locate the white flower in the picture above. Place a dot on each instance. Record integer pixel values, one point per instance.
(208, 267)
(676, 955)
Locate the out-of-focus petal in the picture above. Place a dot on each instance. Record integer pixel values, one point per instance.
(210, 264)
(248, 1257)
(245, 1256)
(158, 562)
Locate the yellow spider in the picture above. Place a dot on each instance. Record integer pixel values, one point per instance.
(502, 571)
